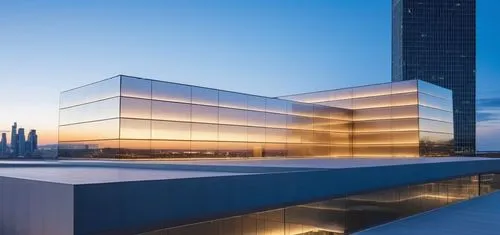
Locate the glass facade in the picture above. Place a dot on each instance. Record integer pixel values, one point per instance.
(155, 119)
(345, 215)
(399, 119)
(142, 118)
(435, 41)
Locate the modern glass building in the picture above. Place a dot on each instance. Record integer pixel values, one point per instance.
(435, 41)
(129, 117)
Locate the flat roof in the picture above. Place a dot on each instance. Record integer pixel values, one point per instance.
(480, 215)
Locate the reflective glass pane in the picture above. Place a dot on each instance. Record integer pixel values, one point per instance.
(274, 150)
(276, 120)
(404, 86)
(99, 130)
(171, 111)
(436, 126)
(322, 137)
(163, 130)
(404, 99)
(233, 149)
(204, 132)
(405, 137)
(275, 135)
(96, 91)
(205, 96)
(372, 126)
(372, 151)
(341, 151)
(232, 133)
(322, 124)
(256, 118)
(200, 113)
(256, 149)
(405, 151)
(341, 126)
(434, 90)
(372, 114)
(323, 111)
(89, 149)
(313, 97)
(256, 103)
(373, 138)
(232, 100)
(407, 124)
(171, 92)
(136, 87)
(301, 109)
(435, 114)
(135, 129)
(345, 104)
(201, 149)
(410, 111)
(232, 116)
(343, 94)
(104, 109)
(300, 122)
(341, 138)
(372, 102)
(276, 105)
(171, 149)
(372, 90)
(435, 102)
(293, 136)
(135, 108)
(135, 149)
(431, 138)
(256, 134)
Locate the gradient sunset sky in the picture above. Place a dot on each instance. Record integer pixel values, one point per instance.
(262, 47)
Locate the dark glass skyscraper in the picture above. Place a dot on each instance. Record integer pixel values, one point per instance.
(435, 41)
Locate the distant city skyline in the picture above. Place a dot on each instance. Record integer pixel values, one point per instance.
(19, 144)
(49, 47)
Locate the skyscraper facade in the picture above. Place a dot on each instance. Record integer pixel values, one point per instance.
(13, 140)
(32, 144)
(435, 41)
(3, 144)
(21, 140)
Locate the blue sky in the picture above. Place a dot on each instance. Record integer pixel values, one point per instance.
(261, 47)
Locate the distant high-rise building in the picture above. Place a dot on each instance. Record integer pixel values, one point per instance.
(435, 41)
(13, 140)
(21, 140)
(32, 144)
(3, 144)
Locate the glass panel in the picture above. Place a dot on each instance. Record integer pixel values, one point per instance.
(435, 102)
(430, 138)
(301, 109)
(275, 120)
(204, 132)
(410, 111)
(372, 102)
(404, 86)
(404, 99)
(230, 149)
(89, 149)
(407, 124)
(345, 104)
(322, 137)
(207, 114)
(434, 90)
(204, 96)
(171, 149)
(373, 114)
(135, 129)
(341, 151)
(322, 111)
(436, 126)
(372, 126)
(256, 118)
(256, 103)
(294, 136)
(275, 135)
(232, 116)
(322, 124)
(171, 92)
(232, 133)
(162, 130)
(256, 134)
(313, 97)
(373, 138)
(256, 149)
(136, 87)
(372, 90)
(104, 109)
(274, 150)
(405, 137)
(405, 151)
(372, 150)
(232, 100)
(135, 108)
(343, 94)
(340, 138)
(135, 148)
(341, 126)
(435, 114)
(204, 149)
(300, 122)
(276, 105)
(171, 111)
(96, 91)
(98, 130)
